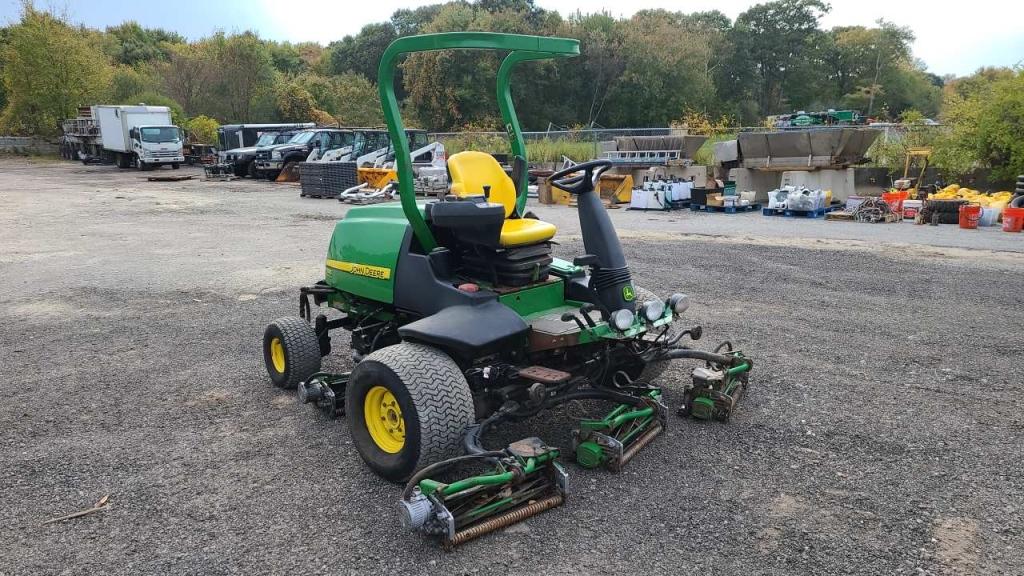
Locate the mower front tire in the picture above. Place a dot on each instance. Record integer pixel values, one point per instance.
(408, 406)
(291, 351)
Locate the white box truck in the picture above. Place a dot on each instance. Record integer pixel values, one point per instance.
(139, 135)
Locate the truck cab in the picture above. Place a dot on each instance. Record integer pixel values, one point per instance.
(271, 160)
(156, 146)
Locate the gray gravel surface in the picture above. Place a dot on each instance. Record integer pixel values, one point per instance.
(881, 435)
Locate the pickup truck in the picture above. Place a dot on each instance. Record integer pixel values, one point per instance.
(243, 160)
(271, 160)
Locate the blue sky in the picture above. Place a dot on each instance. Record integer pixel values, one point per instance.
(952, 37)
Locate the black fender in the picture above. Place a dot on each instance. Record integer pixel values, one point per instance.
(469, 331)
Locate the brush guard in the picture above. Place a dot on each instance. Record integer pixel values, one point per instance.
(616, 439)
(526, 479)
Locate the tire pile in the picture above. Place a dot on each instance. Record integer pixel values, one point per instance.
(327, 179)
(942, 211)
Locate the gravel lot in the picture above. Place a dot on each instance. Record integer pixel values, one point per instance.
(882, 433)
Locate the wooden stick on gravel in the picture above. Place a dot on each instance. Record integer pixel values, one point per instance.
(99, 505)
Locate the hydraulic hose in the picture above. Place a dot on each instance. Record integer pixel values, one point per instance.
(721, 359)
(471, 440)
(407, 492)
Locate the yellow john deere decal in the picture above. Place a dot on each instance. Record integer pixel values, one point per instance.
(378, 272)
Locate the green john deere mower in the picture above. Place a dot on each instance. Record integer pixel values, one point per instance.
(461, 320)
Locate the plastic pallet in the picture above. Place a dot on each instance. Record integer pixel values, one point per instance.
(326, 179)
(800, 213)
(724, 209)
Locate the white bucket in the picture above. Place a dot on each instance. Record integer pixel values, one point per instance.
(988, 217)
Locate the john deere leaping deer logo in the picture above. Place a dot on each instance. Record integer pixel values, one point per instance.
(627, 293)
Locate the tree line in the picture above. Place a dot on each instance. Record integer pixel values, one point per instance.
(652, 69)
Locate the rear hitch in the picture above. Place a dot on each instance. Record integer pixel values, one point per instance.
(327, 391)
(526, 479)
(617, 438)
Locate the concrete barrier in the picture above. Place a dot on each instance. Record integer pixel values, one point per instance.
(26, 145)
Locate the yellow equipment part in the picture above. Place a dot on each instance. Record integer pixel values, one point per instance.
(277, 355)
(916, 157)
(471, 171)
(618, 188)
(384, 419)
(290, 173)
(614, 188)
(525, 231)
(377, 177)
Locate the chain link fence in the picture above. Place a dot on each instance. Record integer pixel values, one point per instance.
(889, 150)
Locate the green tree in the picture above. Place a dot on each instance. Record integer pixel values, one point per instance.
(985, 120)
(49, 70)
(667, 70)
(773, 41)
(361, 53)
(358, 102)
(4, 36)
(202, 129)
(134, 44)
(456, 88)
(286, 57)
(127, 82)
(294, 103)
(600, 65)
(178, 117)
(245, 72)
(188, 75)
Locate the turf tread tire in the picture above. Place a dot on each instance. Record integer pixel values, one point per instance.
(301, 350)
(440, 396)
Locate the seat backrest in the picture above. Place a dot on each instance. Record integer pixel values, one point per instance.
(472, 170)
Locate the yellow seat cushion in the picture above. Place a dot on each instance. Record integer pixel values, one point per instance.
(472, 170)
(524, 231)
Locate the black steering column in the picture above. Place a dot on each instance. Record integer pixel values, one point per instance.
(610, 279)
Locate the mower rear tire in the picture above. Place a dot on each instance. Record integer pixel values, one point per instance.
(408, 406)
(653, 370)
(291, 351)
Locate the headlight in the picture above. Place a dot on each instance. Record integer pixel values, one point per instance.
(653, 310)
(679, 302)
(275, 155)
(622, 320)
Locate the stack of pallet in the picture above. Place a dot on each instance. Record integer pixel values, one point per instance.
(327, 179)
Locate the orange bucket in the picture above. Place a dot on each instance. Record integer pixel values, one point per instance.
(895, 199)
(969, 216)
(1013, 219)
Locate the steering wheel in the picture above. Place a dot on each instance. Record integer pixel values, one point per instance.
(584, 182)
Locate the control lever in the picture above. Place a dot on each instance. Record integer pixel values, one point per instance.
(585, 312)
(487, 192)
(570, 317)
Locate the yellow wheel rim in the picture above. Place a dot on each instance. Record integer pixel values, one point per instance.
(384, 419)
(277, 354)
